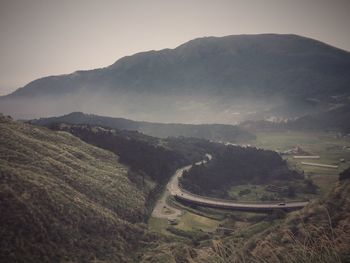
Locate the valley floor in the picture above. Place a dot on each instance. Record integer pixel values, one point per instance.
(330, 147)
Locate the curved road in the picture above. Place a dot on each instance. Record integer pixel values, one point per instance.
(162, 208)
(181, 195)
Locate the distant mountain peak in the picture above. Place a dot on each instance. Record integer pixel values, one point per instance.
(210, 79)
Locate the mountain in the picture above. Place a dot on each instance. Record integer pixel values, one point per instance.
(62, 200)
(214, 132)
(206, 80)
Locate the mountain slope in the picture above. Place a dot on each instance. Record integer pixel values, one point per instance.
(64, 200)
(211, 79)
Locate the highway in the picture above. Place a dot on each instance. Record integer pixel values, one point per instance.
(162, 209)
(188, 198)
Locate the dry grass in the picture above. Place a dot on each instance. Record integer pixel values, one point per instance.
(318, 246)
(313, 236)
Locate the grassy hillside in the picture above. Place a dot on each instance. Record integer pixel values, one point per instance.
(62, 200)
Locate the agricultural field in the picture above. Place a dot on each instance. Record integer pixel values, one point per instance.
(329, 146)
(190, 221)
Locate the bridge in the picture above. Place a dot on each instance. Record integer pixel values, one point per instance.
(188, 198)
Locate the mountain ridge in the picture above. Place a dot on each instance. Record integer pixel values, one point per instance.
(213, 76)
(215, 132)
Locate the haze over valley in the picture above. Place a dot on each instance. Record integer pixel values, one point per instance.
(206, 80)
(188, 131)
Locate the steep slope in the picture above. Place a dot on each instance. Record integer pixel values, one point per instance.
(214, 132)
(64, 200)
(208, 79)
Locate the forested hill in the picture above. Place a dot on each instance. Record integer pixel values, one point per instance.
(215, 132)
(236, 165)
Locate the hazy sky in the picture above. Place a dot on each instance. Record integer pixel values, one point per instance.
(47, 37)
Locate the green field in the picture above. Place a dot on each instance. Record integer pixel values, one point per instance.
(158, 225)
(328, 146)
(190, 221)
(187, 222)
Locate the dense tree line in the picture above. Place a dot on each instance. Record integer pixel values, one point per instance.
(213, 132)
(236, 165)
(145, 155)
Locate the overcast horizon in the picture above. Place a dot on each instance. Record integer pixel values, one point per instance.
(41, 38)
